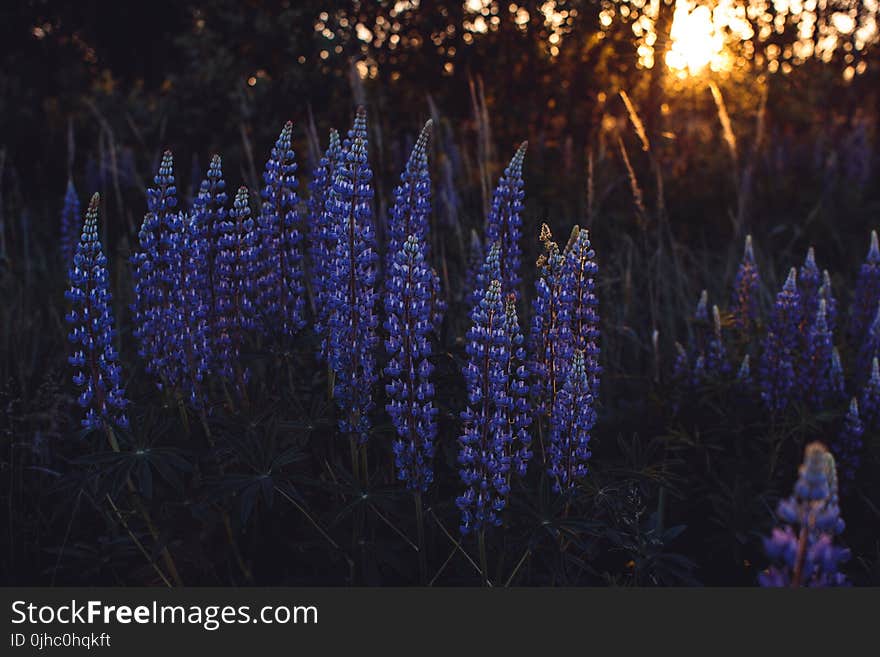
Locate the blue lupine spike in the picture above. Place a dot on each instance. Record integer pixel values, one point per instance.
(716, 352)
(281, 283)
(411, 212)
(837, 381)
(408, 372)
(518, 411)
(847, 447)
(550, 332)
(777, 360)
(209, 213)
(867, 294)
(504, 223)
(570, 425)
(827, 294)
(809, 282)
(94, 359)
(237, 276)
(580, 273)
(71, 224)
(870, 347)
(489, 270)
(322, 238)
(869, 401)
(744, 374)
(815, 380)
(681, 368)
(801, 547)
(352, 296)
(483, 445)
(155, 276)
(746, 286)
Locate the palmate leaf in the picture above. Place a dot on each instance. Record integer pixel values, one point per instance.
(110, 471)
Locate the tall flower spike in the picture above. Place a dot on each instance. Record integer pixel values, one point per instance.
(870, 347)
(352, 287)
(815, 380)
(411, 212)
(71, 224)
(237, 274)
(570, 425)
(282, 285)
(97, 372)
(408, 372)
(580, 280)
(550, 332)
(777, 360)
(745, 290)
(848, 446)
(809, 282)
(484, 443)
(837, 381)
(716, 354)
(504, 223)
(155, 277)
(801, 548)
(869, 401)
(517, 409)
(827, 294)
(321, 235)
(867, 293)
(209, 213)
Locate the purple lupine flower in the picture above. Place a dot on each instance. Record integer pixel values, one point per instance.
(716, 352)
(281, 283)
(746, 286)
(321, 235)
(352, 291)
(870, 347)
(409, 387)
(809, 282)
(192, 345)
(504, 223)
(837, 382)
(681, 368)
(869, 401)
(209, 213)
(827, 294)
(570, 425)
(95, 361)
(848, 445)
(483, 456)
(517, 409)
(744, 373)
(475, 258)
(550, 332)
(802, 547)
(411, 212)
(777, 360)
(71, 224)
(155, 278)
(867, 294)
(579, 276)
(237, 275)
(815, 380)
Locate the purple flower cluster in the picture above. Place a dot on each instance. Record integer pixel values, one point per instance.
(408, 346)
(572, 420)
(351, 285)
(848, 445)
(802, 548)
(780, 344)
(867, 294)
(98, 375)
(504, 223)
(281, 284)
(746, 287)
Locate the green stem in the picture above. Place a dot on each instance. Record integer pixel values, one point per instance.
(420, 529)
(484, 561)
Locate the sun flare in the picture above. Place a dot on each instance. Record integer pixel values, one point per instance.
(696, 42)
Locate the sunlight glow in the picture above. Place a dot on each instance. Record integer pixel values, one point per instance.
(696, 42)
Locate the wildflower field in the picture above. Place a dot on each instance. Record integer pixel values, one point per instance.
(397, 337)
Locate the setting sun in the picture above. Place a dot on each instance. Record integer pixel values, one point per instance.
(696, 42)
